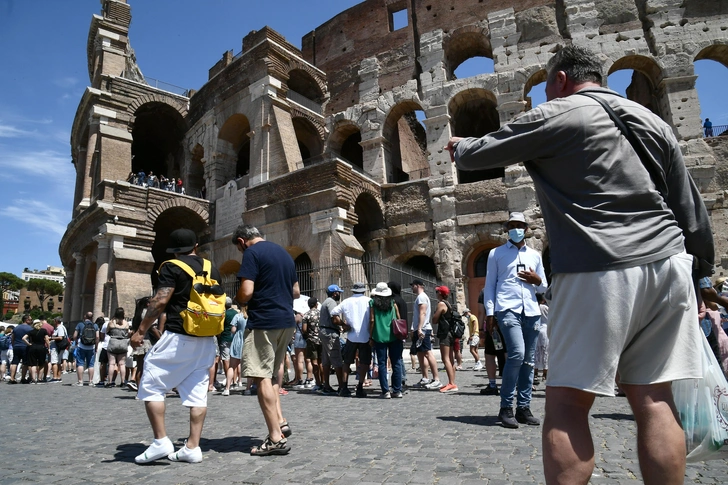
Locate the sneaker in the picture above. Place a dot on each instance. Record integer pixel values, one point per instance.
(536, 381)
(12, 382)
(158, 449)
(506, 418)
(100, 384)
(449, 388)
(226, 392)
(316, 388)
(328, 391)
(344, 392)
(490, 391)
(385, 395)
(478, 366)
(308, 384)
(524, 416)
(79, 384)
(423, 382)
(397, 395)
(281, 392)
(132, 386)
(459, 367)
(298, 384)
(55, 381)
(185, 454)
(361, 393)
(436, 384)
(247, 392)
(25, 381)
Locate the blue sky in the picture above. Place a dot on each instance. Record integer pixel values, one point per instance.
(44, 74)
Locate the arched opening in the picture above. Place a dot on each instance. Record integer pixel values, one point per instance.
(468, 53)
(169, 220)
(309, 141)
(157, 140)
(710, 67)
(406, 152)
(635, 77)
(346, 143)
(303, 84)
(534, 92)
(476, 270)
(196, 173)
(370, 217)
(233, 147)
(423, 264)
(304, 270)
(473, 114)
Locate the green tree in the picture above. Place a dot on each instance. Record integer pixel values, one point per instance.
(45, 289)
(8, 315)
(8, 282)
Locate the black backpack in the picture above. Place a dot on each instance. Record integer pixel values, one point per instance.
(88, 334)
(4, 342)
(457, 326)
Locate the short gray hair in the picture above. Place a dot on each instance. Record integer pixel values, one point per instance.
(245, 231)
(579, 63)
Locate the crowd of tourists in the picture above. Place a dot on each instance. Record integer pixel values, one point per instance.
(143, 179)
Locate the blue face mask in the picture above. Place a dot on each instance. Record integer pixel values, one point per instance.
(516, 235)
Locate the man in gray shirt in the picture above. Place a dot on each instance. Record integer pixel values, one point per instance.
(620, 237)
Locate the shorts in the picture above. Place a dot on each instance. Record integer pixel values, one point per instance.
(298, 341)
(3, 357)
(457, 344)
(225, 350)
(264, 351)
(426, 344)
(313, 351)
(180, 361)
(103, 357)
(490, 345)
(331, 349)
(36, 355)
(448, 341)
(19, 353)
(352, 348)
(642, 323)
(85, 358)
(542, 349)
(130, 359)
(475, 341)
(236, 346)
(54, 354)
(66, 355)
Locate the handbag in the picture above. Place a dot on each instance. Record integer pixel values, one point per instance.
(117, 345)
(702, 405)
(399, 327)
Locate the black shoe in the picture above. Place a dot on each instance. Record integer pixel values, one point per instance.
(25, 381)
(536, 381)
(12, 382)
(506, 418)
(524, 416)
(344, 392)
(361, 392)
(328, 390)
(490, 391)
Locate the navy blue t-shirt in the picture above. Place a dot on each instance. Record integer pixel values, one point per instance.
(272, 270)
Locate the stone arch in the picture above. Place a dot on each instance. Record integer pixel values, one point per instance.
(345, 141)
(534, 79)
(463, 44)
(475, 269)
(157, 132)
(179, 105)
(167, 204)
(233, 149)
(304, 267)
(308, 137)
(370, 215)
(714, 52)
(423, 263)
(645, 79)
(302, 80)
(406, 150)
(473, 113)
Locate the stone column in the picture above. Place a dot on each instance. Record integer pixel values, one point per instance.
(68, 296)
(437, 125)
(679, 106)
(79, 275)
(88, 165)
(102, 274)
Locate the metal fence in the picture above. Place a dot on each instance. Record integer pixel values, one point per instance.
(170, 88)
(716, 130)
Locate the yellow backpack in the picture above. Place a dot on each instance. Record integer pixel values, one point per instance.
(205, 313)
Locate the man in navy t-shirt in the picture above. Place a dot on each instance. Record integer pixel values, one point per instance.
(268, 284)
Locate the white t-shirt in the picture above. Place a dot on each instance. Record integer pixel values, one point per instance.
(356, 314)
(60, 331)
(422, 299)
(104, 329)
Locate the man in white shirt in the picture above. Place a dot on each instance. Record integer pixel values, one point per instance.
(515, 273)
(422, 335)
(354, 313)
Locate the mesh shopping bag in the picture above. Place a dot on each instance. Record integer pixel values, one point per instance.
(703, 408)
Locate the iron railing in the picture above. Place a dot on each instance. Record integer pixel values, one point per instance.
(170, 88)
(716, 130)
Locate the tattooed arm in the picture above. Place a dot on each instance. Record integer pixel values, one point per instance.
(156, 307)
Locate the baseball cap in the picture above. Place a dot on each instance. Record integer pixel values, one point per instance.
(517, 217)
(466, 310)
(181, 241)
(359, 288)
(417, 282)
(443, 289)
(36, 321)
(334, 289)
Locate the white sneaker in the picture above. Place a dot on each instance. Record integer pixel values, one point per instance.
(423, 382)
(226, 392)
(434, 385)
(478, 365)
(185, 454)
(158, 449)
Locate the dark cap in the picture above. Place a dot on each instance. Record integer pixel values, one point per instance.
(181, 241)
(417, 282)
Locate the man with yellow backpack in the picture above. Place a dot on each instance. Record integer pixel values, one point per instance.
(189, 291)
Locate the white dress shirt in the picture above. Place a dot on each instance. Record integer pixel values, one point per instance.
(506, 291)
(355, 310)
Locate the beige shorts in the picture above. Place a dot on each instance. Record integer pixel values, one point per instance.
(264, 350)
(641, 322)
(331, 349)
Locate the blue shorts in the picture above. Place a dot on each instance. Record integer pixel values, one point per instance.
(85, 358)
(426, 343)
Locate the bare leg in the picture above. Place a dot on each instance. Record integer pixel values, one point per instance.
(155, 413)
(316, 371)
(490, 367)
(13, 370)
(447, 360)
(430, 356)
(90, 375)
(79, 372)
(299, 365)
(269, 401)
(660, 438)
(423, 364)
(197, 419)
(340, 376)
(568, 449)
(309, 369)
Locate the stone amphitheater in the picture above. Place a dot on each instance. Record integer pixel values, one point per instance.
(322, 148)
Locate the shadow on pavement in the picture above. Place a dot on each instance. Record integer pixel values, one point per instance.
(128, 451)
(229, 444)
(614, 416)
(476, 420)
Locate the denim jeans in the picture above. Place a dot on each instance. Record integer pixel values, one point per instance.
(395, 355)
(520, 334)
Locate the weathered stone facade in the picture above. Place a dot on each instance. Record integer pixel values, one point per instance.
(321, 149)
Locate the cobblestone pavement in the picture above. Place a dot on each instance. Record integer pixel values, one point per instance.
(64, 434)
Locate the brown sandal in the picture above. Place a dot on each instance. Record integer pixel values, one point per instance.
(270, 448)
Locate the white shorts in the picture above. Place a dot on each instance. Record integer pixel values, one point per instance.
(54, 354)
(180, 361)
(641, 322)
(542, 349)
(474, 340)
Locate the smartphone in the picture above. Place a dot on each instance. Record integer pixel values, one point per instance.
(520, 267)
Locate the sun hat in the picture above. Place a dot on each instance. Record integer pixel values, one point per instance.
(517, 217)
(382, 290)
(359, 288)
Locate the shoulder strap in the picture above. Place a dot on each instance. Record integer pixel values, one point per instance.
(649, 164)
(185, 267)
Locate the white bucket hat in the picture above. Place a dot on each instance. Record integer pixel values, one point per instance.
(382, 290)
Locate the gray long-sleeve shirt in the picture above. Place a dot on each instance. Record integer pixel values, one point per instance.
(600, 206)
